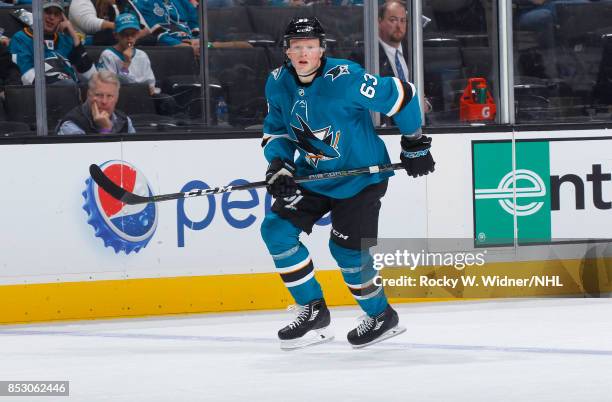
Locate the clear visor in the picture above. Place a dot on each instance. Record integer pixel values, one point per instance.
(301, 49)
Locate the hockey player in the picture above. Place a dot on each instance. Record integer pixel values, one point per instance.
(319, 107)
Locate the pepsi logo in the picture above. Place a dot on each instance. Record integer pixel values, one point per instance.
(123, 227)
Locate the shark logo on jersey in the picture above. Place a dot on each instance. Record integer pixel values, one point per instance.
(319, 144)
(56, 69)
(338, 71)
(276, 72)
(300, 104)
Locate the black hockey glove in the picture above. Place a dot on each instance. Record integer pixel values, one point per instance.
(415, 156)
(279, 177)
(80, 60)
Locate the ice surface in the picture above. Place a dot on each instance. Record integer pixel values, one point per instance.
(509, 350)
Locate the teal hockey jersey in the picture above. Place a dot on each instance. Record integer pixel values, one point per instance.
(328, 122)
(56, 49)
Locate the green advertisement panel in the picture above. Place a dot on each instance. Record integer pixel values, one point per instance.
(502, 194)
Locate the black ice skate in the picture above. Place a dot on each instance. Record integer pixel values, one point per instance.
(310, 327)
(375, 329)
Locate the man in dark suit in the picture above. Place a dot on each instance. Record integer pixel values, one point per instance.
(392, 25)
(392, 49)
(393, 58)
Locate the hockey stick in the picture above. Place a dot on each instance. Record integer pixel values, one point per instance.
(129, 198)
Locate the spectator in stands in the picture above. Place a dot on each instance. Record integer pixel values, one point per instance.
(392, 55)
(86, 18)
(186, 12)
(175, 23)
(161, 19)
(64, 53)
(540, 16)
(97, 115)
(537, 16)
(97, 21)
(392, 25)
(130, 64)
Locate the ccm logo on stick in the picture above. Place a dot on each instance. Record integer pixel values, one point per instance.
(228, 210)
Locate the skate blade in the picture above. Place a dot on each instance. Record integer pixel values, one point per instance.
(311, 338)
(389, 334)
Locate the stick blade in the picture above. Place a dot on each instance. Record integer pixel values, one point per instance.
(105, 182)
(114, 189)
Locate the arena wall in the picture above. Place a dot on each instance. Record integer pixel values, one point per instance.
(205, 254)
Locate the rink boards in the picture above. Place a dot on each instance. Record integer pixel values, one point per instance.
(64, 246)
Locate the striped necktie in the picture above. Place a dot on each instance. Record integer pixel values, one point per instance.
(398, 66)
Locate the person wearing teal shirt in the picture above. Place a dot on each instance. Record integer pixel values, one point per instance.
(319, 108)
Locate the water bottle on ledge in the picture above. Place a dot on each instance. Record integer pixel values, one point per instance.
(222, 112)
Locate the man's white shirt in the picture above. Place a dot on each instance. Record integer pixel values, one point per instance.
(390, 52)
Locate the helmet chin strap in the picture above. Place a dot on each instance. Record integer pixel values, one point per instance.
(308, 75)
